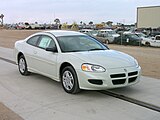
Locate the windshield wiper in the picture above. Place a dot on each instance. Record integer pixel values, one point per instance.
(96, 49)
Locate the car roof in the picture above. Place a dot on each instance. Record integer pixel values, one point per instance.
(105, 30)
(58, 33)
(86, 30)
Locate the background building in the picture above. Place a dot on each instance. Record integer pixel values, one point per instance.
(148, 17)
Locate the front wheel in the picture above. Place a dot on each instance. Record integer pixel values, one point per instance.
(22, 65)
(69, 80)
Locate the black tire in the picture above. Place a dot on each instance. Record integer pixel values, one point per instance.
(147, 44)
(22, 66)
(30, 28)
(107, 42)
(70, 84)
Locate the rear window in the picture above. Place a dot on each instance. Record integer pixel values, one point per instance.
(33, 40)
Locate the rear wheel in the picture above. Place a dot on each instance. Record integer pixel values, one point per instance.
(69, 80)
(147, 44)
(107, 41)
(22, 65)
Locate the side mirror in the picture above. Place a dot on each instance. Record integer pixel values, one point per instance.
(53, 49)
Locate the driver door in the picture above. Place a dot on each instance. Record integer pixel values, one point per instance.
(46, 60)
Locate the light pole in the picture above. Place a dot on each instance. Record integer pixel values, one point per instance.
(2, 16)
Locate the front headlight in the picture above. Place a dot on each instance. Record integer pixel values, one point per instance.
(92, 68)
(137, 65)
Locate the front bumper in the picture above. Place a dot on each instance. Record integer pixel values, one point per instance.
(111, 78)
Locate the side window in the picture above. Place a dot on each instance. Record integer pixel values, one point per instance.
(157, 38)
(33, 40)
(45, 42)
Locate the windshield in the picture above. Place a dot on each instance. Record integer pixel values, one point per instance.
(134, 36)
(79, 43)
(142, 35)
(93, 32)
(111, 32)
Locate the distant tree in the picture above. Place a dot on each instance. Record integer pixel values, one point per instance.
(109, 23)
(84, 24)
(1, 17)
(74, 27)
(81, 22)
(57, 21)
(90, 23)
(103, 23)
(64, 26)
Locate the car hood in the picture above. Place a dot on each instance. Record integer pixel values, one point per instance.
(106, 58)
(115, 35)
(146, 39)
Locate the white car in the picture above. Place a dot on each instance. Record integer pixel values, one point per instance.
(108, 34)
(76, 60)
(89, 32)
(145, 39)
(154, 42)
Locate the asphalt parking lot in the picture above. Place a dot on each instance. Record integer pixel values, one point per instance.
(36, 97)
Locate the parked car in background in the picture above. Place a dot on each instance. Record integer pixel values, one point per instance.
(33, 26)
(145, 39)
(76, 60)
(154, 41)
(107, 34)
(154, 33)
(89, 32)
(128, 39)
(20, 26)
(11, 26)
(47, 26)
(27, 25)
(141, 35)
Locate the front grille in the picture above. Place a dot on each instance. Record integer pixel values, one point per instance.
(133, 73)
(118, 75)
(121, 78)
(119, 81)
(132, 79)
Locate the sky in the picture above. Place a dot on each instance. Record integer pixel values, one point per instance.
(45, 11)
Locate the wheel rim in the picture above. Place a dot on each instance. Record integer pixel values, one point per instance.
(107, 41)
(68, 80)
(22, 66)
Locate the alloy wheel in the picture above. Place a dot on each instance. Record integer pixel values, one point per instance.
(68, 80)
(22, 66)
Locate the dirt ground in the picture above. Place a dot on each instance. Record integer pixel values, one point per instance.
(7, 114)
(148, 57)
